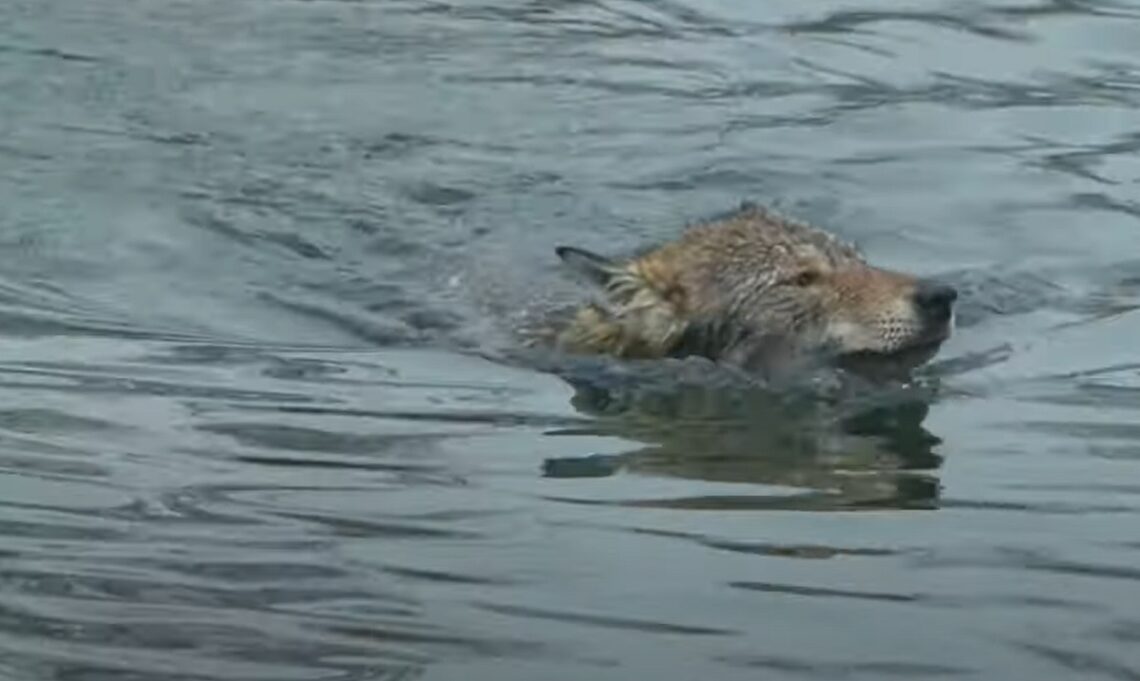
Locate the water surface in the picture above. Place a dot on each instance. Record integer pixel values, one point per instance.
(255, 257)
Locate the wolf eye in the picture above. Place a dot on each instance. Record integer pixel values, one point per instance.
(805, 278)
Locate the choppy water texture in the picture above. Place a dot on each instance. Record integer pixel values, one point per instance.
(251, 423)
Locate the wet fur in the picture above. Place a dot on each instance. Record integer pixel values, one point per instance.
(752, 288)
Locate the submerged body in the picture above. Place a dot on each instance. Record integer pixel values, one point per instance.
(760, 292)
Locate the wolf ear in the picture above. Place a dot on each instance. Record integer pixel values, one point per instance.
(596, 268)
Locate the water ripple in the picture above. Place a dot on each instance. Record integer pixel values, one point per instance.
(261, 416)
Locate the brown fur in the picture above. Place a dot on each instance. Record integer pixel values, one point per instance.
(756, 290)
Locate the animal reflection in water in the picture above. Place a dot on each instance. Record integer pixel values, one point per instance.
(851, 454)
(773, 299)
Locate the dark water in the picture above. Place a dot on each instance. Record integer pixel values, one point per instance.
(253, 255)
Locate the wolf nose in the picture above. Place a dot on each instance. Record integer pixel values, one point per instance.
(935, 299)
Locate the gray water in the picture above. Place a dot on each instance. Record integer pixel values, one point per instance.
(256, 416)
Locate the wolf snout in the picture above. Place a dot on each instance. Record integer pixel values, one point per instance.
(935, 299)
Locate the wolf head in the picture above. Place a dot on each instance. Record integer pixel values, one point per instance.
(761, 292)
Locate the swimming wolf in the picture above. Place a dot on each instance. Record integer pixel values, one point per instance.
(758, 291)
